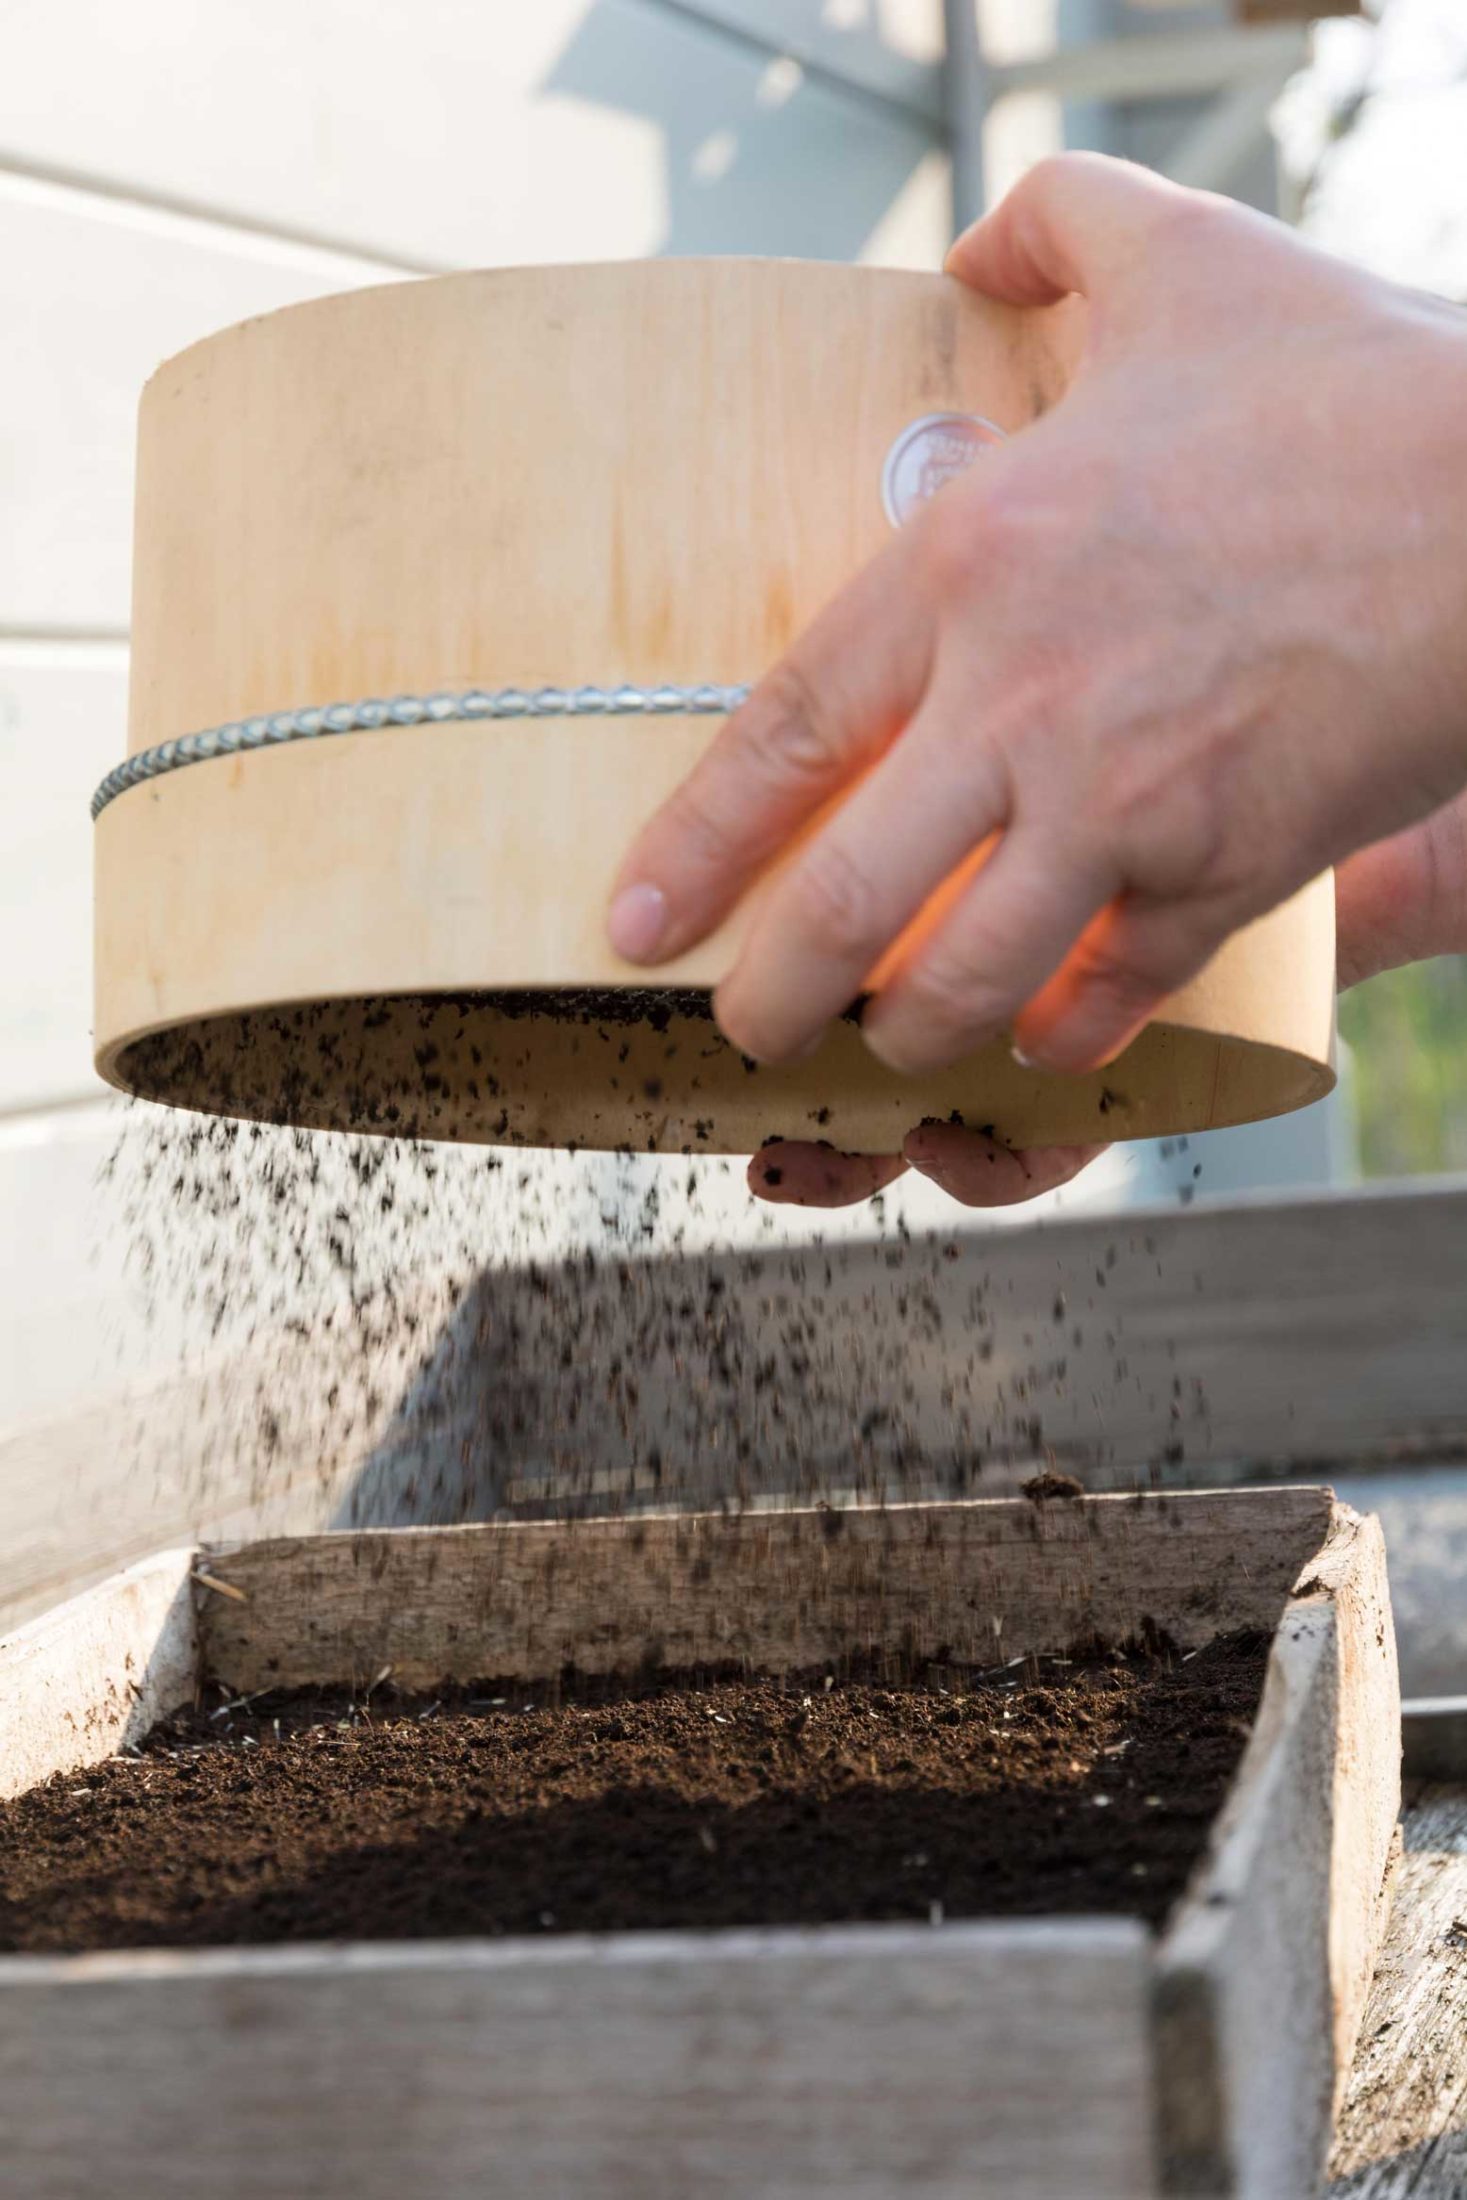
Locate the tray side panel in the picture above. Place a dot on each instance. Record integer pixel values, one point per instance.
(1262, 1977)
(1010, 2062)
(97, 1672)
(979, 1582)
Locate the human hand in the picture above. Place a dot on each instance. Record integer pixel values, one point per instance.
(1396, 903)
(1188, 639)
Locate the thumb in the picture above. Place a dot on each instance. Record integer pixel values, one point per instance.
(1075, 222)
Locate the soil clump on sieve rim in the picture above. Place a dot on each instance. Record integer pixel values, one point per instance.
(1086, 1784)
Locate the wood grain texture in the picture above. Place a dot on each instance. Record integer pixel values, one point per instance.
(658, 471)
(1263, 1974)
(849, 2063)
(666, 466)
(774, 1591)
(97, 1672)
(1403, 2126)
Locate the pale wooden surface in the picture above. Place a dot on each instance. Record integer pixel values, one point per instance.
(855, 2064)
(664, 467)
(981, 1582)
(656, 472)
(1403, 2127)
(447, 894)
(1264, 1971)
(97, 1672)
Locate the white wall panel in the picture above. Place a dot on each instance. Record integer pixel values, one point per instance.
(630, 131)
(89, 305)
(462, 132)
(62, 725)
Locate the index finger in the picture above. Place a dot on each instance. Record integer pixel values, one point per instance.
(830, 706)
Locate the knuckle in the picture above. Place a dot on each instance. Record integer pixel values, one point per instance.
(1171, 827)
(789, 731)
(1115, 977)
(957, 541)
(1055, 173)
(1187, 850)
(1129, 975)
(953, 993)
(696, 822)
(1135, 795)
(1184, 220)
(835, 906)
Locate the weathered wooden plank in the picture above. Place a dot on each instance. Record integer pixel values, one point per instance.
(1303, 1334)
(1264, 1972)
(97, 1672)
(854, 2063)
(775, 1591)
(1403, 2127)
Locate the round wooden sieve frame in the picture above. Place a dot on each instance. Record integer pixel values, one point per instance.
(548, 478)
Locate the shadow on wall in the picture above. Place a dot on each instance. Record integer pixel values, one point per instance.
(585, 1385)
(785, 165)
(939, 1365)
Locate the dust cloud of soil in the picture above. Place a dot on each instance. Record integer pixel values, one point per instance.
(362, 1330)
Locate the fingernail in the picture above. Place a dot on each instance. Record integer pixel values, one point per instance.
(928, 1165)
(935, 1173)
(636, 921)
(1029, 1061)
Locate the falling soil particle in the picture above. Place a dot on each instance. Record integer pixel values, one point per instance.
(1086, 1784)
(1041, 1487)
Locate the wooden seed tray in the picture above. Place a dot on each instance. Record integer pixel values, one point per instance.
(1027, 2058)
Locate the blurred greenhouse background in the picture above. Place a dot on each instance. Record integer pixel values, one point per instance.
(1375, 138)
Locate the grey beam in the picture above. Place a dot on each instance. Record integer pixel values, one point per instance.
(1164, 65)
(965, 84)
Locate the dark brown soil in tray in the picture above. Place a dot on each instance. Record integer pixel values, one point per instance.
(1086, 1786)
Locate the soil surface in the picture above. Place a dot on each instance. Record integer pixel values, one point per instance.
(1086, 1785)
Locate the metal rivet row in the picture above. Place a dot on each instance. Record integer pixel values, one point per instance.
(708, 699)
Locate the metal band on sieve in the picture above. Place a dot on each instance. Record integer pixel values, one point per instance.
(627, 701)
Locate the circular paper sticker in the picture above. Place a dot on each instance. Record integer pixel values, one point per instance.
(928, 454)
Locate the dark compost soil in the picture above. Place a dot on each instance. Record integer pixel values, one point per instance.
(1086, 1785)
